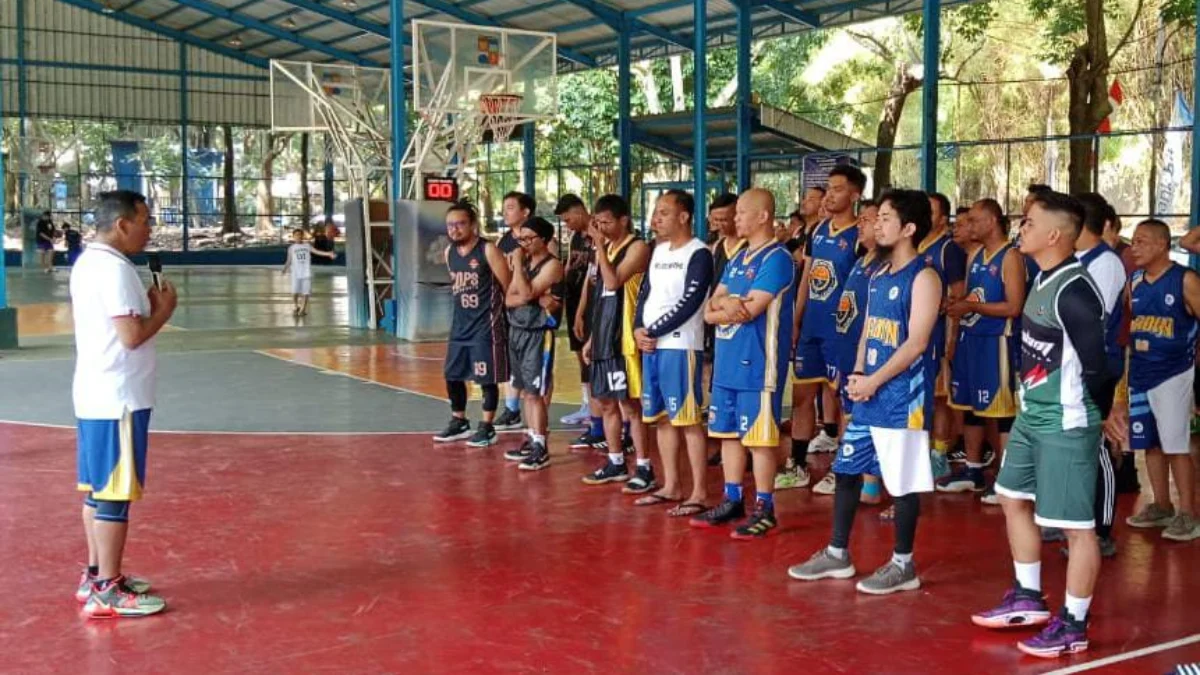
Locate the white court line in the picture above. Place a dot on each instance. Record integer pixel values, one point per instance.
(1128, 656)
(353, 377)
(179, 432)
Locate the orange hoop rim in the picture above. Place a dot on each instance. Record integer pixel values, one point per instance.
(499, 104)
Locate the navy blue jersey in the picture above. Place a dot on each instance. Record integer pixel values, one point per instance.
(906, 400)
(949, 260)
(478, 298)
(753, 356)
(852, 306)
(831, 256)
(1163, 333)
(1112, 321)
(985, 283)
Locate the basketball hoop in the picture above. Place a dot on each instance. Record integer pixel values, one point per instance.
(500, 114)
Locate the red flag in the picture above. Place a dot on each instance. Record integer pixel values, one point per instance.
(1116, 96)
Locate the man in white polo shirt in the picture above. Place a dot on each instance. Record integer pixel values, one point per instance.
(115, 324)
(669, 329)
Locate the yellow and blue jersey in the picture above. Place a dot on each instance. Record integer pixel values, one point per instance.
(852, 310)
(949, 261)
(831, 255)
(1162, 335)
(906, 400)
(985, 283)
(753, 356)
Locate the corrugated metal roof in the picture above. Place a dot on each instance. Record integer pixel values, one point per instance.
(357, 30)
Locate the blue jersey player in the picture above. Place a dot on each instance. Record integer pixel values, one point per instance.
(1162, 339)
(751, 310)
(982, 382)
(829, 256)
(945, 255)
(892, 390)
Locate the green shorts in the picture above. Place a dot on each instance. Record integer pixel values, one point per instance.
(1054, 469)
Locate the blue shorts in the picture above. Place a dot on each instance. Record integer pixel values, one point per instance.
(817, 360)
(981, 376)
(483, 361)
(112, 456)
(856, 454)
(672, 386)
(749, 416)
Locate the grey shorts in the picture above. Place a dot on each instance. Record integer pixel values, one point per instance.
(531, 358)
(1054, 469)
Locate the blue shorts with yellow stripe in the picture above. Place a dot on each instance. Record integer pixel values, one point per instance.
(981, 376)
(112, 456)
(816, 360)
(672, 386)
(749, 416)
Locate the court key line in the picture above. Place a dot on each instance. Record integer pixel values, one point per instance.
(1128, 656)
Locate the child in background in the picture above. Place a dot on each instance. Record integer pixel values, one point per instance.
(299, 262)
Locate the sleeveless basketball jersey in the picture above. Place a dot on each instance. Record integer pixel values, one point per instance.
(723, 253)
(832, 255)
(531, 316)
(1052, 394)
(852, 306)
(478, 298)
(935, 252)
(906, 400)
(1112, 321)
(985, 283)
(1162, 334)
(612, 311)
(754, 356)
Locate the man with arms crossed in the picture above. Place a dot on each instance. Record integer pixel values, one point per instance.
(580, 255)
(478, 347)
(611, 352)
(535, 275)
(669, 328)
(116, 321)
(1048, 477)
(892, 390)
(751, 309)
(517, 208)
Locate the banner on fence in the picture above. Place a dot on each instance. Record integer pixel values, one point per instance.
(1171, 172)
(817, 168)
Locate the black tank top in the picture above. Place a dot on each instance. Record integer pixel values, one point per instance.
(609, 308)
(721, 257)
(531, 316)
(478, 297)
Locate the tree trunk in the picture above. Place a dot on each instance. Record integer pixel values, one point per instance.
(305, 195)
(649, 86)
(677, 95)
(903, 84)
(230, 224)
(1087, 79)
(263, 196)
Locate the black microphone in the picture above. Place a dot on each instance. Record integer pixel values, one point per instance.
(155, 269)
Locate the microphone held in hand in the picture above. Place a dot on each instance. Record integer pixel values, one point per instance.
(155, 269)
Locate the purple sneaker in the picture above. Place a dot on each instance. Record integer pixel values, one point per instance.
(1064, 635)
(1020, 607)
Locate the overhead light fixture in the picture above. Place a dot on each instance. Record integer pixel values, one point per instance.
(107, 7)
(235, 41)
(350, 4)
(289, 23)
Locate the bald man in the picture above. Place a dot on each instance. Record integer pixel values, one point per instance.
(752, 311)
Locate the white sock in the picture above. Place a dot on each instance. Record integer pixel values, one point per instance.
(644, 462)
(586, 397)
(1029, 575)
(976, 465)
(901, 559)
(617, 458)
(839, 553)
(538, 439)
(1078, 607)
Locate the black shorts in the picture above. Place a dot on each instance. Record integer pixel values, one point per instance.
(572, 308)
(531, 353)
(618, 378)
(479, 361)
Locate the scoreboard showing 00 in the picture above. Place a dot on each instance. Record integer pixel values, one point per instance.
(441, 189)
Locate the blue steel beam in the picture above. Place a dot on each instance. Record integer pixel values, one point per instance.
(529, 158)
(700, 103)
(264, 27)
(932, 15)
(22, 79)
(744, 122)
(209, 19)
(341, 16)
(457, 12)
(399, 111)
(530, 9)
(624, 111)
(791, 12)
(167, 14)
(3, 204)
(148, 25)
(103, 67)
(612, 17)
(184, 211)
(659, 8)
(270, 19)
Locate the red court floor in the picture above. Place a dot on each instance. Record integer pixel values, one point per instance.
(371, 554)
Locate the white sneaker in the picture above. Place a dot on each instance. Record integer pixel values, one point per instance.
(791, 477)
(823, 443)
(827, 485)
(578, 418)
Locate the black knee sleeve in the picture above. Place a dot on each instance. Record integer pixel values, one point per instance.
(908, 509)
(845, 505)
(970, 419)
(458, 395)
(1004, 424)
(491, 397)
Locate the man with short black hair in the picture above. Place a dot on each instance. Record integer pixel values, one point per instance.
(116, 322)
(669, 329)
(517, 208)
(580, 256)
(45, 234)
(892, 389)
(1048, 477)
